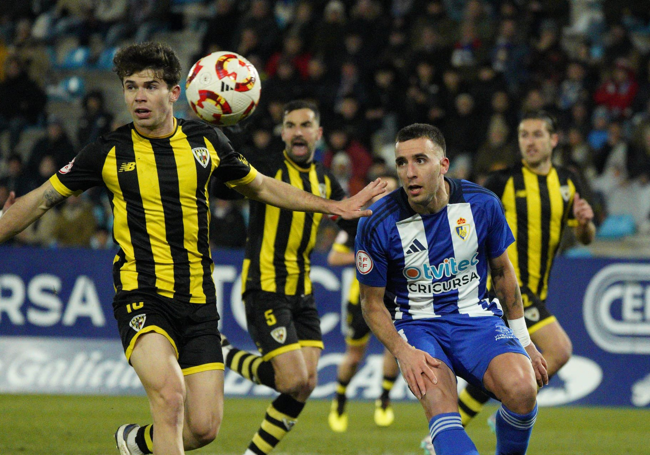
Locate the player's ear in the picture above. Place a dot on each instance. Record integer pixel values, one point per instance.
(175, 93)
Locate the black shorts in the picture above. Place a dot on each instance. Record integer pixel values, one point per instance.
(280, 323)
(190, 328)
(358, 332)
(535, 312)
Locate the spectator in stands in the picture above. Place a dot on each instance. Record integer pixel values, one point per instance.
(599, 134)
(22, 101)
(320, 86)
(221, 28)
(548, 60)
(495, 153)
(16, 179)
(145, 17)
(328, 36)
(286, 84)
(340, 140)
(292, 50)
(618, 90)
(303, 23)
(95, 120)
(56, 144)
(75, 224)
(573, 87)
(424, 90)
(509, 56)
(259, 17)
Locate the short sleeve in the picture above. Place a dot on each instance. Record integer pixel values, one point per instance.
(82, 173)
(371, 256)
(499, 235)
(233, 169)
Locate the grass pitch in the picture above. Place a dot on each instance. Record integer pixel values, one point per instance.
(76, 425)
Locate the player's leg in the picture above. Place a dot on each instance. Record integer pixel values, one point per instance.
(338, 418)
(296, 377)
(440, 402)
(470, 402)
(203, 408)
(384, 415)
(510, 377)
(154, 360)
(356, 342)
(288, 334)
(554, 344)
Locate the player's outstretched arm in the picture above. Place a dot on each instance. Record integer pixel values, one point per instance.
(412, 362)
(274, 192)
(23, 211)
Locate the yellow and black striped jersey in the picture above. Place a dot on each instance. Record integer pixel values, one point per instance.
(159, 193)
(537, 207)
(280, 242)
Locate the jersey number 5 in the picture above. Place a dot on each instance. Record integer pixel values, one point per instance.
(270, 317)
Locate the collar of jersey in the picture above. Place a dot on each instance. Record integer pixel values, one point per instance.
(295, 165)
(158, 137)
(523, 163)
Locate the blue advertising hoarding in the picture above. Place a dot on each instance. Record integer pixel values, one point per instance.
(58, 334)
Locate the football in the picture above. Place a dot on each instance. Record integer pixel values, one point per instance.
(223, 88)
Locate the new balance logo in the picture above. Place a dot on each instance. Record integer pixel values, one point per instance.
(415, 247)
(126, 167)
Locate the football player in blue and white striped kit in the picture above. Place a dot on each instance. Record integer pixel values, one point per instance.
(429, 246)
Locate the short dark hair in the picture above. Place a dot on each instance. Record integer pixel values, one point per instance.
(418, 130)
(551, 122)
(301, 104)
(158, 57)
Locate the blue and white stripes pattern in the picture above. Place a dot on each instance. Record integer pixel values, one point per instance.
(513, 420)
(445, 423)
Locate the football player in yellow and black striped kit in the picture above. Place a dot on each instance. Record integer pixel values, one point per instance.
(276, 287)
(157, 171)
(540, 200)
(358, 335)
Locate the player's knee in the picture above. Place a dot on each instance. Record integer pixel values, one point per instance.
(520, 396)
(292, 384)
(205, 432)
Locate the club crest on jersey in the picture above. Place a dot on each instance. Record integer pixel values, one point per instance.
(202, 155)
(565, 191)
(463, 228)
(138, 322)
(532, 314)
(279, 334)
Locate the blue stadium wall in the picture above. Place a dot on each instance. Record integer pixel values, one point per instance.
(58, 334)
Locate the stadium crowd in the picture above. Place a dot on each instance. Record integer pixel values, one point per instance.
(470, 67)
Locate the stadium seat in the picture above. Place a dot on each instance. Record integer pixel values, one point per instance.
(616, 227)
(105, 60)
(67, 89)
(75, 59)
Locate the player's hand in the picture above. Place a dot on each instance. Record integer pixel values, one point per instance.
(415, 364)
(351, 208)
(539, 365)
(582, 211)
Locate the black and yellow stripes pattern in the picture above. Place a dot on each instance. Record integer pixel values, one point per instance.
(280, 241)
(159, 193)
(537, 207)
(280, 418)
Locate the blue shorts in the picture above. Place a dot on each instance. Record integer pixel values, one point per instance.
(466, 345)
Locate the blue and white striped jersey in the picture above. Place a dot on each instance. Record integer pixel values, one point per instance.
(433, 265)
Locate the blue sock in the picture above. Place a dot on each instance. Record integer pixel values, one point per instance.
(449, 437)
(513, 431)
